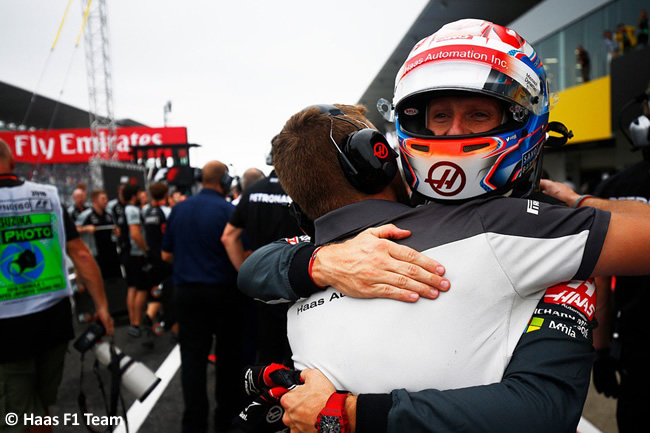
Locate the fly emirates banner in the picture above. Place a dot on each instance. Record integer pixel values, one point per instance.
(64, 146)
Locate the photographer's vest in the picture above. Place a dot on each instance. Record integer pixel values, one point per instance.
(33, 273)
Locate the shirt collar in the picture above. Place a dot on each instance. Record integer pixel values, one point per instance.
(353, 218)
(10, 179)
(210, 191)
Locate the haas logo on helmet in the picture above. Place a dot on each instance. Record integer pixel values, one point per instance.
(508, 36)
(446, 178)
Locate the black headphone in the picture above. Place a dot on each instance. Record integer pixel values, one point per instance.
(367, 160)
(226, 183)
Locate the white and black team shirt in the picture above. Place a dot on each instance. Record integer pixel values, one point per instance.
(133, 217)
(500, 254)
(103, 236)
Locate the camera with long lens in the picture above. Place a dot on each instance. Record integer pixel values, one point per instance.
(134, 376)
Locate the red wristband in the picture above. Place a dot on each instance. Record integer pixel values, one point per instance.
(580, 199)
(311, 265)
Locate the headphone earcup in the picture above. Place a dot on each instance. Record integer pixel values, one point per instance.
(226, 182)
(368, 161)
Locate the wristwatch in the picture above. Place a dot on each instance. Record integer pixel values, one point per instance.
(333, 418)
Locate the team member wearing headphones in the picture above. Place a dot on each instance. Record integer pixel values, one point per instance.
(621, 340)
(264, 216)
(470, 130)
(207, 300)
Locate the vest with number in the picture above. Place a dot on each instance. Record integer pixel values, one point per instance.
(33, 274)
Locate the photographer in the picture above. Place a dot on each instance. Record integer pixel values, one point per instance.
(35, 313)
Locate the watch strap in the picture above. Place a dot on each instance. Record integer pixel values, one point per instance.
(335, 408)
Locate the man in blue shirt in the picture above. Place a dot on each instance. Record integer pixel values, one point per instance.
(207, 300)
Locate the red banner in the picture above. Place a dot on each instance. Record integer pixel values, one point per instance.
(57, 146)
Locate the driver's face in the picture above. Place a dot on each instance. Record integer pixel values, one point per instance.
(462, 115)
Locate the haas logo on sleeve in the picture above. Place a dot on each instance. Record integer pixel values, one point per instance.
(580, 295)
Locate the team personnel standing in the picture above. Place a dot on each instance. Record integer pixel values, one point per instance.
(207, 300)
(35, 313)
(622, 344)
(469, 130)
(176, 197)
(79, 203)
(159, 272)
(136, 297)
(249, 177)
(98, 231)
(143, 200)
(116, 208)
(475, 349)
(263, 214)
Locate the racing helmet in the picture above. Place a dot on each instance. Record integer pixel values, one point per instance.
(471, 57)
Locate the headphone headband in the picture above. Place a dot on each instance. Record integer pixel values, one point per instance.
(330, 110)
(367, 160)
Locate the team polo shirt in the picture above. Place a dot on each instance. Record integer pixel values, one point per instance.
(265, 200)
(101, 243)
(74, 211)
(193, 235)
(133, 217)
(155, 223)
(500, 253)
(117, 211)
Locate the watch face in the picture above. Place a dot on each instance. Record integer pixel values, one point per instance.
(330, 424)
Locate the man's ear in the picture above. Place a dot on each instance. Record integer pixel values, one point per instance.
(12, 163)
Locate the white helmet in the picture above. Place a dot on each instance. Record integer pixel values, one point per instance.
(471, 57)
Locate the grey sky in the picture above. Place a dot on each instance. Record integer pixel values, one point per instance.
(234, 71)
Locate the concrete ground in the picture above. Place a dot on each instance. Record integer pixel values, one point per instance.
(600, 411)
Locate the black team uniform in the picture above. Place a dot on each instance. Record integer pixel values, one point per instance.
(263, 212)
(74, 211)
(101, 243)
(631, 297)
(123, 241)
(155, 222)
